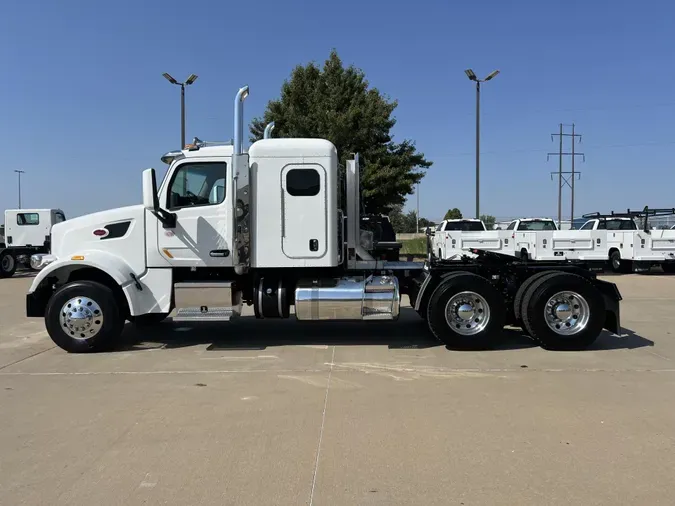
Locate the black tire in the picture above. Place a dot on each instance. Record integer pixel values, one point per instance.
(150, 319)
(615, 262)
(523, 255)
(445, 331)
(520, 295)
(7, 264)
(534, 306)
(111, 326)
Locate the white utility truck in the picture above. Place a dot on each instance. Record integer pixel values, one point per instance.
(453, 238)
(520, 239)
(25, 232)
(228, 227)
(613, 239)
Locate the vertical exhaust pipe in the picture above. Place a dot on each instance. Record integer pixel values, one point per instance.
(268, 130)
(239, 120)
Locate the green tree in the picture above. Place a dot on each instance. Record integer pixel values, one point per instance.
(453, 214)
(488, 220)
(336, 103)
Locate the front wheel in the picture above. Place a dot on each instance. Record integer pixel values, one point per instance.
(563, 311)
(84, 316)
(668, 267)
(7, 264)
(466, 311)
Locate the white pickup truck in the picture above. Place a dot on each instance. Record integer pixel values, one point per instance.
(448, 237)
(454, 238)
(613, 240)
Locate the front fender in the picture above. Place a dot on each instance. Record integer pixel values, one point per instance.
(112, 265)
(150, 292)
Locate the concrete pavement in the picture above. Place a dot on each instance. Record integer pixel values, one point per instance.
(264, 412)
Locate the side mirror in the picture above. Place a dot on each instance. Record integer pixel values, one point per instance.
(150, 200)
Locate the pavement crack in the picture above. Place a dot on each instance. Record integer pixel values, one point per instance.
(323, 421)
(25, 358)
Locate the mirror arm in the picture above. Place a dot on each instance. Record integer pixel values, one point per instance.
(167, 218)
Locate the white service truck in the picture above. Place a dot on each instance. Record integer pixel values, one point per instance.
(520, 239)
(228, 227)
(25, 232)
(447, 238)
(615, 240)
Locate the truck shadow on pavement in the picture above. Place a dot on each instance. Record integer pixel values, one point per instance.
(248, 333)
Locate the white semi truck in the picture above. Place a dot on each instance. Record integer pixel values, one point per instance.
(25, 232)
(263, 228)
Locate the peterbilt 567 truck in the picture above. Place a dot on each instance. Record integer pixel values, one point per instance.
(263, 228)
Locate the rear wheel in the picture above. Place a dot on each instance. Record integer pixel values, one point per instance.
(563, 311)
(466, 311)
(84, 316)
(7, 264)
(520, 295)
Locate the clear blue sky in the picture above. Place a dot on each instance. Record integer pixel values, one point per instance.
(84, 108)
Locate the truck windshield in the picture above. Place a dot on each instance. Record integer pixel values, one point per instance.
(465, 226)
(537, 225)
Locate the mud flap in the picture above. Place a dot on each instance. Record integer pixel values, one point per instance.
(612, 297)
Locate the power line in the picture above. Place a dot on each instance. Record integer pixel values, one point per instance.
(592, 147)
(565, 177)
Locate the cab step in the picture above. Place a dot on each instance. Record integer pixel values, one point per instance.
(205, 314)
(207, 301)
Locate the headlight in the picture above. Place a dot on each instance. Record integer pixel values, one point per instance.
(40, 261)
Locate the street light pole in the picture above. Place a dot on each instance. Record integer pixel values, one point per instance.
(19, 172)
(472, 76)
(191, 79)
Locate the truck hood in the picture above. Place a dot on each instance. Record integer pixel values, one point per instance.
(77, 234)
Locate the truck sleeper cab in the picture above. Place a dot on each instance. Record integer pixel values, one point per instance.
(263, 228)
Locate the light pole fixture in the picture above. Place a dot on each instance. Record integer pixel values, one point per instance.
(472, 76)
(19, 172)
(191, 79)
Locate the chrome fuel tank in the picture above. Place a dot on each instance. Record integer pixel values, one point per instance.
(371, 298)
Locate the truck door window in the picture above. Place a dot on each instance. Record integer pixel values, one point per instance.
(59, 217)
(511, 226)
(27, 219)
(197, 184)
(303, 182)
(587, 226)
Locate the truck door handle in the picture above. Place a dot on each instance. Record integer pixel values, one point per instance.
(224, 253)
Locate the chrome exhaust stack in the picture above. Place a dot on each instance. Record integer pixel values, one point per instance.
(268, 130)
(241, 216)
(239, 120)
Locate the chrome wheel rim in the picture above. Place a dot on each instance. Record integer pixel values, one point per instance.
(7, 263)
(467, 313)
(567, 313)
(81, 318)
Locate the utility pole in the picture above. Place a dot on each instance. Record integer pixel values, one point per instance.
(566, 177)
(19, 172)
(417, 192)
